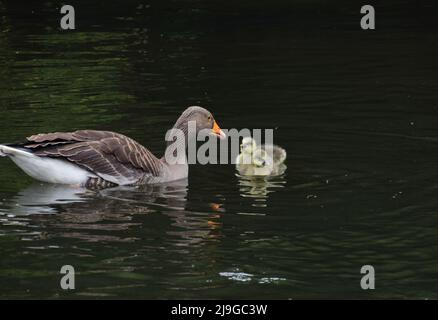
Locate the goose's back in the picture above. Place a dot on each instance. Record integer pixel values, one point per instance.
(112, 156)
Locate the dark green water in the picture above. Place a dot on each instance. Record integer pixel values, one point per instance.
(356, 110)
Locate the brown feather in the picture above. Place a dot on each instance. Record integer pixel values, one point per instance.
(101, 152)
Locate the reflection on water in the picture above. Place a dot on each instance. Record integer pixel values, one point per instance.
(39, 198)
(259, 187)
(112, 209)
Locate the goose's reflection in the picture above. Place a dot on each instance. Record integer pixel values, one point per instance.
(41, 198)
(259, 187)
(103, 215)
(171, 195)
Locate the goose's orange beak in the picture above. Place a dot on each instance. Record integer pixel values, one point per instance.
(218, 131)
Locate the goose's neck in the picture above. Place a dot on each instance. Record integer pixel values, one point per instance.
(175, 156)
(176, 153)
(177, 142)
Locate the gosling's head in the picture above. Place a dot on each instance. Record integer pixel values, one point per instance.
(260, 158)
(248, 145)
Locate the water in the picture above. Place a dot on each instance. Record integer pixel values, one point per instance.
(356, 111)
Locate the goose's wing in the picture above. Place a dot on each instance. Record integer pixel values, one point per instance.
(278, 153)
(110, 155)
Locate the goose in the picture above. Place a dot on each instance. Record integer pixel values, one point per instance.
(265, 160)
(99, 159)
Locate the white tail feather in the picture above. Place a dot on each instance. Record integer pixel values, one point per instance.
(10, 151)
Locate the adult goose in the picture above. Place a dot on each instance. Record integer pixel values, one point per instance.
(94, 158)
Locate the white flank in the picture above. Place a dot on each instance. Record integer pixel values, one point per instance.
(47, 169)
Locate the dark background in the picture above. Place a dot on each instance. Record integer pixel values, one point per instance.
(356, 111)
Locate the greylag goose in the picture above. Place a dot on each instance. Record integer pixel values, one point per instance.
(265, 160)
(94, 158)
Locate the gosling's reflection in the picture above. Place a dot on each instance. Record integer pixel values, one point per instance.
(259, 187)
(103, 215)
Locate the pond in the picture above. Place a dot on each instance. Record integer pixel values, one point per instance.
(356, 111)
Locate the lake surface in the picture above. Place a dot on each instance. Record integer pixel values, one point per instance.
(356, 111)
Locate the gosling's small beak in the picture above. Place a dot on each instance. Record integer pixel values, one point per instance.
(218, 131)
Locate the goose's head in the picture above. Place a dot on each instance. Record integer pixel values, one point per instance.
(248, 145)
(203, 119)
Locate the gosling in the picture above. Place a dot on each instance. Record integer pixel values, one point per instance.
(266, 160)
